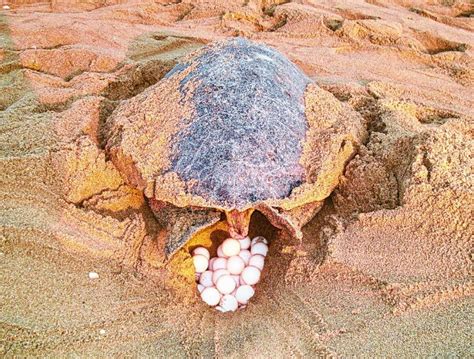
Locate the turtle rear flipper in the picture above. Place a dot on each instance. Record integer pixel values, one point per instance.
(181, 224)
(291, 220)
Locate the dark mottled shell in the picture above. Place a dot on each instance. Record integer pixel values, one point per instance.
(243, 142)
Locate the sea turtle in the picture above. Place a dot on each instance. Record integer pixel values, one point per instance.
(233, 127)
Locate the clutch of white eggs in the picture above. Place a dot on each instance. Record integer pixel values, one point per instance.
(227, 281)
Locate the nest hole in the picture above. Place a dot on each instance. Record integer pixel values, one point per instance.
(259, 226)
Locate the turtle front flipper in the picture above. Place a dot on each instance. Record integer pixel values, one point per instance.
(181, 224)
(290, 220)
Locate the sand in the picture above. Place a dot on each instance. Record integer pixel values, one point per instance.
(384, 269)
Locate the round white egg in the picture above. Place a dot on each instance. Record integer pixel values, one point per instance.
(250, 275)
(244, 243)
(200, 288)
(259, 248)
(245, 255)
(229, 303)
(206, 278)
(218, 273)
(220, 253)
(259, 239)
(200, 263)
(231, 247)
(236, 279)
(225, 284)
(235, 265)
(219, 263)
(211, 263)
(244, 293)
(211, 296)
(202, 251)
(257, 260)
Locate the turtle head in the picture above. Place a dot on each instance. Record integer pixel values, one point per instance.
(238, 222)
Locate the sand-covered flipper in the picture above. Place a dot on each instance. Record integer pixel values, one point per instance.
(181, 224)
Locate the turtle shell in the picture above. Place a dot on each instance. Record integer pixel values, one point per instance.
(232, 125)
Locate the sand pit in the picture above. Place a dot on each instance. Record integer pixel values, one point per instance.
(384, 267)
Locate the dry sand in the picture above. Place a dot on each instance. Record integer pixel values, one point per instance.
(384, 269)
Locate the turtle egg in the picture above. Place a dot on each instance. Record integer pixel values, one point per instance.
(200, 263)
(244, 293)
(211, 263)
(225, 284)
(259, 248)
(236, 279)
(230, 247)
(259, 239)
(211, 296)
(235, 265)
(219, 263)
(251, 275)
(202, 251)
(244, 243)
(200, 288)
(220, 253)
(257, 260)
(206, 279)
(228, 303)
(218, 273)
(245, 255)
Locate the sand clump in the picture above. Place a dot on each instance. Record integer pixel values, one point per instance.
(386, 260)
